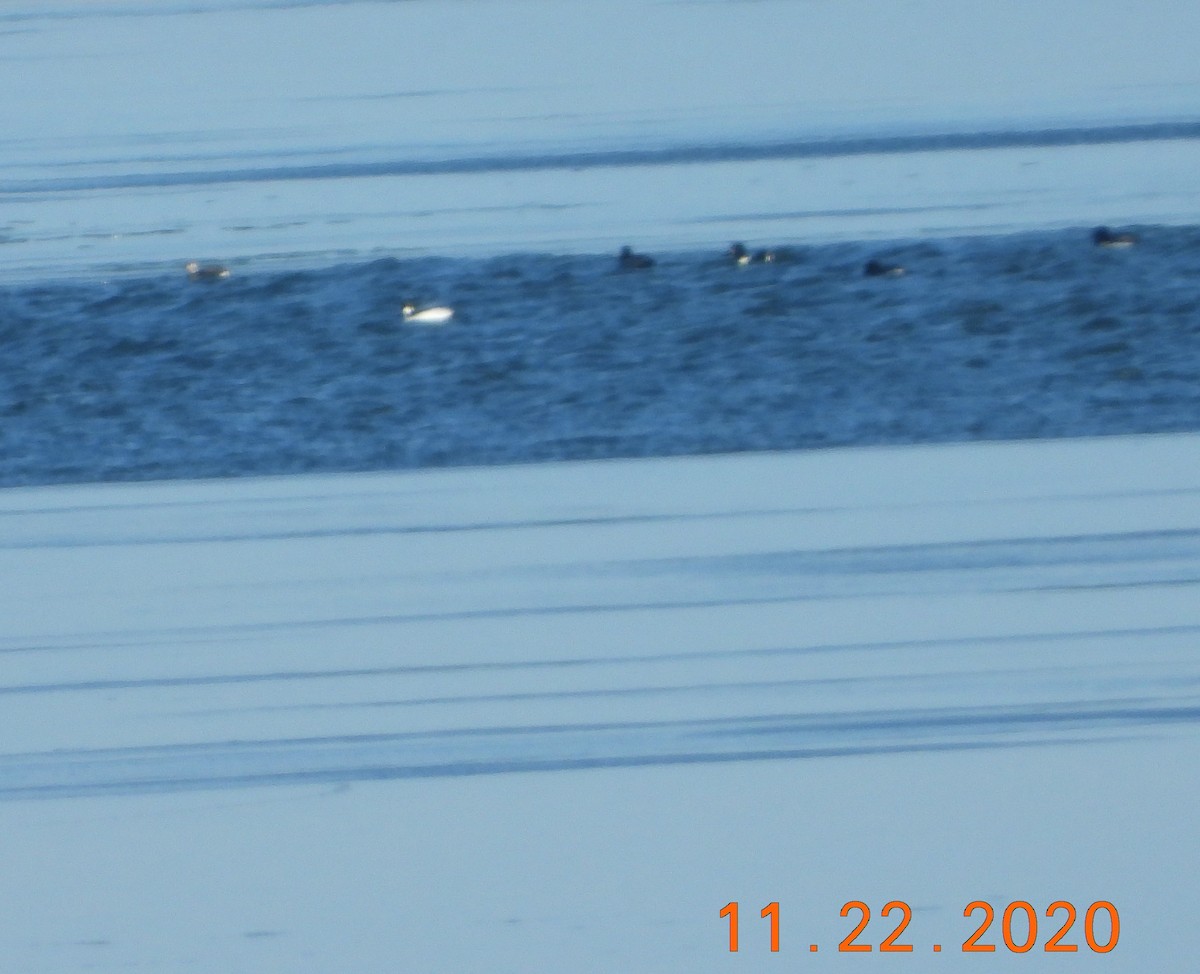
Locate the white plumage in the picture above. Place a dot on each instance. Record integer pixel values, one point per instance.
(427, 316)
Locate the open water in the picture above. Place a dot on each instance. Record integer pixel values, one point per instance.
(343, 157)
(548, 357)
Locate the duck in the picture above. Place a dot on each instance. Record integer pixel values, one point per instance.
(205, 272)
(426, 316)
(1104, 237)
(738, 253)
(877, 268)
(627, 260)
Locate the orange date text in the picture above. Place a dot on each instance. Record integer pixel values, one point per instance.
(1016, 929)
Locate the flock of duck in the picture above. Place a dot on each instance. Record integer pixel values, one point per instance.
(628, 260)
(738, 255)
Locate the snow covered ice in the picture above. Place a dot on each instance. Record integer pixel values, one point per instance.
(557, 716)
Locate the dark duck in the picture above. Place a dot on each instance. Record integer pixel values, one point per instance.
(877, 268)
(738, 254)
(1104, 237)
(627, 260)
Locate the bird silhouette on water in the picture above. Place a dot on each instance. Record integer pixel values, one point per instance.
(627, 260)
(1104, 237)
(877, 268)
(205, 272)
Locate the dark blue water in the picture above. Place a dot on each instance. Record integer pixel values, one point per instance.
(555, 357)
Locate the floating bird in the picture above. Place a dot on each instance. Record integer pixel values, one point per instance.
(738, 253)
(877, 268)
(205, 272)
(1104, 237)
(627, 260)
(427, 316)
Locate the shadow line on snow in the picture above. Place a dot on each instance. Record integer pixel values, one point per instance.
(494, 750)
(160, 636)
(421, 669)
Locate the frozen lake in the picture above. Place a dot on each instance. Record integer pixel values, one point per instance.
(559, 715)
(555, 716)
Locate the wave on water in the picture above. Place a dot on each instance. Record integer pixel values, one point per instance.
(553, 357)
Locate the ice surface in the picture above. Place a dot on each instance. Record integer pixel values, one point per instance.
(555, 717)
